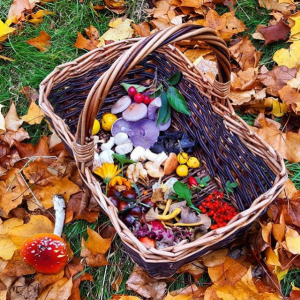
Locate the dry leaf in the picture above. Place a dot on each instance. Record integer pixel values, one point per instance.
(37, 224)
(22, 291)
(295, 82)
(30, 93)
(34, 114)
(244, 53)
(116, 33)
(94, 248)
(5, 30)
(215, 258)
(61, 290)
(140, 282)
(276, 32)
(195, 268)
(277, 78)
(2, 120)
(11, 136)
(286, 143)
(12, 121)
(291, 97)
(83, 43)
(282, 6)
(193, 54)
(46, 279)
(292, 239)
(228, 273)
(241, 97)
(123, 297)
(278, 230)
(42, 42)
(38, 17)
(266, 232)
(288, 57)
(193, 292)
(17, 9)
(141, 29)
(116, 6)
(272, 258)
(226, 25)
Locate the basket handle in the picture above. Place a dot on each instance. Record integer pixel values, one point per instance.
(135, 54)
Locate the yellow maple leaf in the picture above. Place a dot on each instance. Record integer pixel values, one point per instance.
(288, 57)
(292, 239)
(5, 30)
(120, 30)
(279, 109)
(34, 115)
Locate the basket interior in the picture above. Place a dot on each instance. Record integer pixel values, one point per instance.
(223, 155)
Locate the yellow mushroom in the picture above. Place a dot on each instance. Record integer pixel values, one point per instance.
(184, 224)
(152, 215)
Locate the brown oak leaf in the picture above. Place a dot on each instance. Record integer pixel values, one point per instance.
(274, 33)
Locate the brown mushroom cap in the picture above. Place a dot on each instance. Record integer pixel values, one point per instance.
(171, 164)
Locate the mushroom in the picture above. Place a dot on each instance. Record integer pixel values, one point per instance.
(47, 252)
(150, 155)
(166, 126)
(153, 168)
(137, 173)
(171, 164)
(124, 148)
(135, 112)
(121, 105)
(121, 138)
(108, 145)
(138, 154)
(153, 109)
(145, 133)
(121, 125)
(106, 156)
(152, 215)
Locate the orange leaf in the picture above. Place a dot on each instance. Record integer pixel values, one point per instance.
(291, 97)
(195, 268)
(61, 289)
(141, 29)
(42, 42)
(17, 9)
(83, 43)
(46, 279)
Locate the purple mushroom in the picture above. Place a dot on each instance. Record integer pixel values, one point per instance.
(121, 125)
(121, 105)
(145, 133)
(135, 112)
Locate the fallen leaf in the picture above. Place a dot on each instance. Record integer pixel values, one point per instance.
(272, 258)
(241, 97)
(215, 258)
(30, 93)
(2, 120)
(282, 6)
(5, 57)
(22, 291)
(83, 43)
(193, 54)
(193, 292)
(288, 57)
(266, 232)
(37, 224)
(61, 290)
(34, 114)
(12, 121)
(274, 33)
(140, 282)
(277, 78)
(46, 279)
(17, 267)
(94, 249)
(295, 82)
(8, 224)
(226, 25)
(195, 268)
(279, 109)
(17, 9)
(42, 42)
(116, 6)
(11, 137)
(116, 33)
(292, 239)
(29, 150)
(228, 273)
(178, 297)
(291, 97)
(38, 17)
(278, 230)
(5, 30)
(245, 54)
(289, 190)
(141, 29)
(286, 143)
(123, 297)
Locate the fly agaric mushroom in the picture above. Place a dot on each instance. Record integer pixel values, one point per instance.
(47, 252)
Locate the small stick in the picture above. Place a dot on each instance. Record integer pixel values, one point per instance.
(59, 207)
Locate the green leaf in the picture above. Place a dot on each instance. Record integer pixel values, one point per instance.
(205, 179)
(182, 190)
(163, 110)
(174, 79)
(168, 115)
(177, 101)
(122, 159)
(230, 186)
(138, 87)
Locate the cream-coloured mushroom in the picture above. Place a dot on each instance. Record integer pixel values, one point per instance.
(106, 157)
(149, 155)
(138, 154)
(137, 173)
(121, 138)
(153, 168)
(124, 148)
(108, 145)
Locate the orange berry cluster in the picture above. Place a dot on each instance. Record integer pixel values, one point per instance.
(221, 212)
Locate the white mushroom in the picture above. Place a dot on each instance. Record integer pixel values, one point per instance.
(153, 168)
(121, 138)
(150, 155)
(138, 154)
(106, 157)
(124, 148)
(108, 145)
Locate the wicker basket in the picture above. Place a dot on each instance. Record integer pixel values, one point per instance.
(73, 94)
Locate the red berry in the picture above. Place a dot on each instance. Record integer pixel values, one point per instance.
(147, 241)
(193, 181)
(138, 98)
(156, 225)
(147, 100)
(131, 91)
(203, 210)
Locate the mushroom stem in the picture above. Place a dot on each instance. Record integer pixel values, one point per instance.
(184, 224)
(59, 207)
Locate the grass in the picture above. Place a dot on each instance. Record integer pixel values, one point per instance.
(30, 67)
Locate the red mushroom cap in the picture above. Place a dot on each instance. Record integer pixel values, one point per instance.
(46, 252)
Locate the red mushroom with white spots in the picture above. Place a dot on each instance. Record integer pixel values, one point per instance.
(47, 252)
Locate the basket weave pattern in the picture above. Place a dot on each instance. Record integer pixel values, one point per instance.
(76, 92)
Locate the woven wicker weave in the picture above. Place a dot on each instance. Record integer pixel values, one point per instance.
(75, 93)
